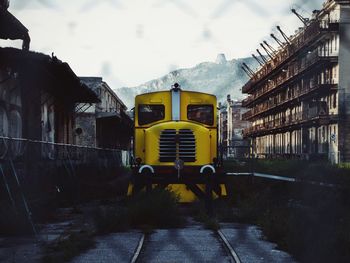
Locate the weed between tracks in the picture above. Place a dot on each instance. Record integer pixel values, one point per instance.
(155, 209)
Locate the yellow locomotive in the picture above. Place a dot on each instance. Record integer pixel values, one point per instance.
(176, 143)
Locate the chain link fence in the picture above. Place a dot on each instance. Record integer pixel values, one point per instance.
(37, 176)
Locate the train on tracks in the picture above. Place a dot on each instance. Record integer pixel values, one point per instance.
(176, 144)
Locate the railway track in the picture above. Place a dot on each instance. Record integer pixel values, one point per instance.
(218, 234)
(228, 246)
(136, 255)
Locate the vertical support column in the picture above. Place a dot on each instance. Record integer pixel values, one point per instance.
(344, 84)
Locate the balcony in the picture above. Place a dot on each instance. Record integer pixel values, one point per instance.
(300, 94)
(293, 75)
(247, 115)
(304, 39)
(317, 113)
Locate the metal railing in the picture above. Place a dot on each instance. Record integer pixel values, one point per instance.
(296, 118)
(292, 75)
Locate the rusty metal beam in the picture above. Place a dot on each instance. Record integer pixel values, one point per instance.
(274, 51)
(286, 38)
(266, 50)
(262, 57)
(247, 72)
(248, 68)
(259, 61)
(279, 42)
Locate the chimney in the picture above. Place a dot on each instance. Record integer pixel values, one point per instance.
(228, 98)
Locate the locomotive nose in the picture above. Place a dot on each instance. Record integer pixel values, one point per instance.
(170, 141)
(177, 138)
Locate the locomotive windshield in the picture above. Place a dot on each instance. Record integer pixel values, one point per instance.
(201, 113)
(150, 113)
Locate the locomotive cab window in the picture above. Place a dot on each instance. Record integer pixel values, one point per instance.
(201, 113)
(150, 113)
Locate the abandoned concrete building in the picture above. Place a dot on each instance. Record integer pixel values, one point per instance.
(104, 124)
(37, 96)
(231, 128)
(299, 98)
(37, 92)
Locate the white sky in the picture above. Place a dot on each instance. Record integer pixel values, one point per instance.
(129, 42)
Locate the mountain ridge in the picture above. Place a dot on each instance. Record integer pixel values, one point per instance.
(225, 77)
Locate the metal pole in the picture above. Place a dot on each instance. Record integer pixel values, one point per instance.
(29, 214)
(7, 187)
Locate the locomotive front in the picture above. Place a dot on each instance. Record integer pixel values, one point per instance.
(175, 142)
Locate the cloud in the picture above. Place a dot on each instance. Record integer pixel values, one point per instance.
(139, 40)
(89, 5)
(181, 5)
(27, 4)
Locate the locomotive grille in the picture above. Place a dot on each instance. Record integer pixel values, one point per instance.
(175, 144)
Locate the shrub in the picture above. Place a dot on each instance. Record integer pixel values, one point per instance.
(157, 208)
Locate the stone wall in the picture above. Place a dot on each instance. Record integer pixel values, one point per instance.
(85, 129)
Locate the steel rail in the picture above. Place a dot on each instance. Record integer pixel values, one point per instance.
(228, 246)
(286, 179)
(138, 249)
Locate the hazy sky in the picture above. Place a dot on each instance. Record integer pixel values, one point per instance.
(129, 42)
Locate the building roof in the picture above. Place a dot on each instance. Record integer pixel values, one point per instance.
(47, 72)
(94, 83)
(11, 27)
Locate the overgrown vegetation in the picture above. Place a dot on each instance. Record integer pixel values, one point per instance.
(155, 209)
(199, 214)
(309, 221)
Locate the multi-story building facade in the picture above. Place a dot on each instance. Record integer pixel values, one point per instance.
(231, 128)
(299, 99)
(104, 124)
